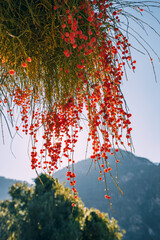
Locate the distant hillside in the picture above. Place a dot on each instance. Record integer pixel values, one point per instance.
(138, 211)
(5, 183)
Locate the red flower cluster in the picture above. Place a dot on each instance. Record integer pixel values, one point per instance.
(99, 72)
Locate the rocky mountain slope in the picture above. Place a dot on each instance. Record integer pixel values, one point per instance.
(138, 210)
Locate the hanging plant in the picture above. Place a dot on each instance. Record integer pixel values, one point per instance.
(58, 58)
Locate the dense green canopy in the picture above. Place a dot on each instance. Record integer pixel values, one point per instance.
(49, 211)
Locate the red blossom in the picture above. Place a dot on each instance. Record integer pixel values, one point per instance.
(11, 72)
(29, 59)
(24, 65)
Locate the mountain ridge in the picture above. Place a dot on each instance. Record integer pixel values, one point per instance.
(139, 180)
(5, 183)
(137, 211)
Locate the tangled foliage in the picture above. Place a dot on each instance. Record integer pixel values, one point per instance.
(57, 58)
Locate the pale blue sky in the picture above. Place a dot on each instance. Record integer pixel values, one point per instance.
(142, 94)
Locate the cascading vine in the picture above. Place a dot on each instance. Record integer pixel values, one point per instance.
(58, 58)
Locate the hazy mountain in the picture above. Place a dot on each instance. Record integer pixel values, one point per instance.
(138, 210)
(5, 183)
